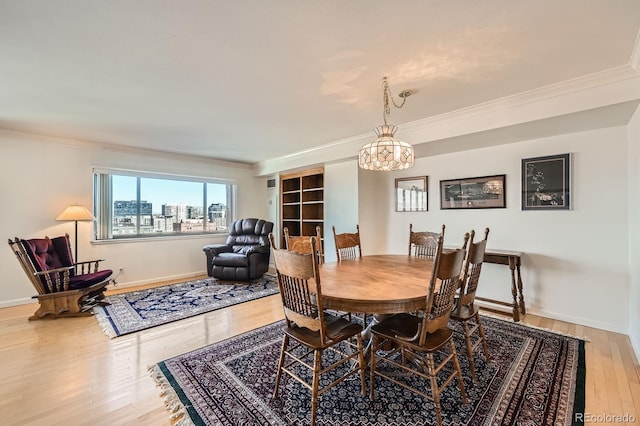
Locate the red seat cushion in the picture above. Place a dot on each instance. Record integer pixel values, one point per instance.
(87, 280)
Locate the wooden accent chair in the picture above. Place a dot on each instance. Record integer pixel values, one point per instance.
(464, 310)
(347, 244)
(417, 337)
(309, 331)
(424, 244)
(302, 244)
(65, 288)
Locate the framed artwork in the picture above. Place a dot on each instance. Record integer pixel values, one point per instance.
(412, 194)
(486, 192)
(545, 183)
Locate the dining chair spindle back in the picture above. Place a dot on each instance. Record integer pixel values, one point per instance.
(416, 338)
(424, 243)
(347, 244)
(308, 325)
(302, 244)
(464, 310)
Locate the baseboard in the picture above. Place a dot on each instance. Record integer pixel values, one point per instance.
(635, 344)
(580, 321)
(119, 285)
(556, 316)
(16, 302)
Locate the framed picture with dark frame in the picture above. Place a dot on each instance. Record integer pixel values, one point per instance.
(485, 192)
(546, 183)
(412, 194)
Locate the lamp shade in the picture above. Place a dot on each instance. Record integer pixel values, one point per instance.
(76, 212)
(386, 153)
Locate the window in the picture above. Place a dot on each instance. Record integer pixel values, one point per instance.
(137, 204)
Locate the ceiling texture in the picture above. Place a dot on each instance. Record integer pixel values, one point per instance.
(252, 80)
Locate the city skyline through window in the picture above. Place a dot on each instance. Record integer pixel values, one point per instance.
(163, 191)
(129, 206)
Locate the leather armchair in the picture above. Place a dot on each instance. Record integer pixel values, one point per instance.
(245, 255)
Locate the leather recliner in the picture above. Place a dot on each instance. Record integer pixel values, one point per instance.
(245, 256)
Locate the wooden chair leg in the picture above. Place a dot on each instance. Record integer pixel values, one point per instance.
(363, 388)
(317, 360)
(485, 347)
(285, 342)
(372, 366)
(469, 343)
(459, 371)
(435, 393)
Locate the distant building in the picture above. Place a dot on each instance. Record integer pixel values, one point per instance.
(174, 218)
(179, 212)
(162, 224)
(194, 212)
(125, 217)
(187, 227)
(217, 215)
(130, 208)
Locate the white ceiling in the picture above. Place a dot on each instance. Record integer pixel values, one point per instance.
(251, 80)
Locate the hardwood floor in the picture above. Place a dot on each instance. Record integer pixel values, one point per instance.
(67, 372)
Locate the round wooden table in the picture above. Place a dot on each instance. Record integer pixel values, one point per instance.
(382, 284)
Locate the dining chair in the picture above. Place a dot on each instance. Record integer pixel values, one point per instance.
(310, 332)
(414, 339)
(425, 243)
(464, 310)
(302, 244)
(347, 244)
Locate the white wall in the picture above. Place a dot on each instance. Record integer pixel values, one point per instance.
(373, 214)
(41, 176)
(576, 263)
(580, 265)
(634, 231)
(340, 202)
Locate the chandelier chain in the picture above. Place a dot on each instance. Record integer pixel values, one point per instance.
(386, 94)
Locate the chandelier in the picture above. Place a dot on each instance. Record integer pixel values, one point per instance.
(386, 152)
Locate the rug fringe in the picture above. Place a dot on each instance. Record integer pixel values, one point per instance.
(549, 330)
(104, 323)
(171, 399)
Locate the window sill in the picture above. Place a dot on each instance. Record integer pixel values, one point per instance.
(159, 238)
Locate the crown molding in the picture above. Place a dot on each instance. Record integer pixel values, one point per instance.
(542, 94)
(634, 61)
(607, 87)
(23, 135)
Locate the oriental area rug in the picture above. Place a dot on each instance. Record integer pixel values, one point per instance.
(535, 377)
(138, 310)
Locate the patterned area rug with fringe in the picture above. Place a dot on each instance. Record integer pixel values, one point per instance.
(536, 377)
(142, 309)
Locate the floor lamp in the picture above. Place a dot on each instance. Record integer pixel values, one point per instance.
(76, 213)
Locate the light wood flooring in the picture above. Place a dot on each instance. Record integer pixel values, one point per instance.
(67, 372)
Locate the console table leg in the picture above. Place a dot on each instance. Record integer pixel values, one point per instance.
(514, 289)
(523, 310)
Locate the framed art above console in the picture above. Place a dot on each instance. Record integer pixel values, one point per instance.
(412, 194)
(486, 192)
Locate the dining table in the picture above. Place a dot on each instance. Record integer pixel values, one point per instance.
(377, 284)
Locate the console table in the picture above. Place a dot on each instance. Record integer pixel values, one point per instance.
(513, 260)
